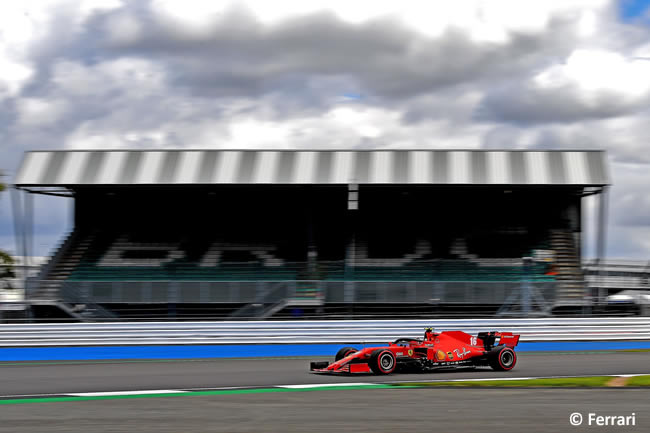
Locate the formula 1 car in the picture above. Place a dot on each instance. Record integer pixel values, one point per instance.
(444, 350)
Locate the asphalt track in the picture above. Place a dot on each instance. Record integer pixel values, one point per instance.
(39, 378)
(381, 410)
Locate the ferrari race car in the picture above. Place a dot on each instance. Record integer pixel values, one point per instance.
(444, 350)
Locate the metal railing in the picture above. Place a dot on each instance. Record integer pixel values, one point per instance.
(358, 331)
(150, 292)
(618, 282)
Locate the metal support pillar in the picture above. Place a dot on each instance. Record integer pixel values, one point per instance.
(22, 207)
(17, 210)
(28, 227)
(19, 231)
(348, 270)
(526, 287)
(351, 250)
(601, 241)
(312, 251)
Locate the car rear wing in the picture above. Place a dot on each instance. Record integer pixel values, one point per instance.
(505, 338)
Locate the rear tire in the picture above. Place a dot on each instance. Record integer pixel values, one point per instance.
(346, 351)
(502, 358)
(382, 361)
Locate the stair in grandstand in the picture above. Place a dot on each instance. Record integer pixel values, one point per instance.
(570, 277)
(71, 260)
(87, 312)
(279, 296)
(63, 262)
(48, 287)
(70, 300)
(53, 295)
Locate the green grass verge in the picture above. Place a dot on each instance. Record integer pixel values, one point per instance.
(571, 382)
(638, 381)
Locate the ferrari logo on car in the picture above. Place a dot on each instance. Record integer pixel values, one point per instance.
(450, 355)
(410, 352)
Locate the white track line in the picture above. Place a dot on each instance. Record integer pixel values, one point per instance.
(146, 391)
(222, 388)
(55, 394)
(111, 393)
(300, 386)
(321, 385)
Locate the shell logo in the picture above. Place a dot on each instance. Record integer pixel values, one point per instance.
(440, 355)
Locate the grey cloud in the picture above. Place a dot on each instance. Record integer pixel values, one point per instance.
(527, 105)
(299, 68)
(627, 243)
(240, 56)
(630, 201)
(632, 209)
(507, 136)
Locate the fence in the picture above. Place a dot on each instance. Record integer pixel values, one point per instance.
(360, 331)
(149, 292)
(618, 282)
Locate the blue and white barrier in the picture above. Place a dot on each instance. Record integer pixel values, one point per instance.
(311, 332)
(187, 340)
(87, 353)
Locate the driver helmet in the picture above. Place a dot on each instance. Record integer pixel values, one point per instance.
(428, 333)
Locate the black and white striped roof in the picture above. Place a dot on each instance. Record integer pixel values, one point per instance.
(445, 167)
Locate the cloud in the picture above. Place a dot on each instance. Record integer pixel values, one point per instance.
(330, 74)
(589, 84)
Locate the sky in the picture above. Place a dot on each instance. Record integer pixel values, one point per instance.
(300, 74)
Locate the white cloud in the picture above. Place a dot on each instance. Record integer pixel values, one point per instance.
(23, 24)
(123, 29)
(13, 78)
(250, 133)
(17, 29)
(34, 112)
(594, 72)
(587, 24)
(588, 84)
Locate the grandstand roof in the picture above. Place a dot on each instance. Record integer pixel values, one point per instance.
(443, 167)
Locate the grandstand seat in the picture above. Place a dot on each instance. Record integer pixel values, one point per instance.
(122, 257)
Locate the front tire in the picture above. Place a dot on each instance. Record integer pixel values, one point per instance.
(502, 359)
(342, 353)
(382, 361)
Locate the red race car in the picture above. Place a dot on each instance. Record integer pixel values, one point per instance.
(450, 349)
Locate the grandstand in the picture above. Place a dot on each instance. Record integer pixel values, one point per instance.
(275, 233)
